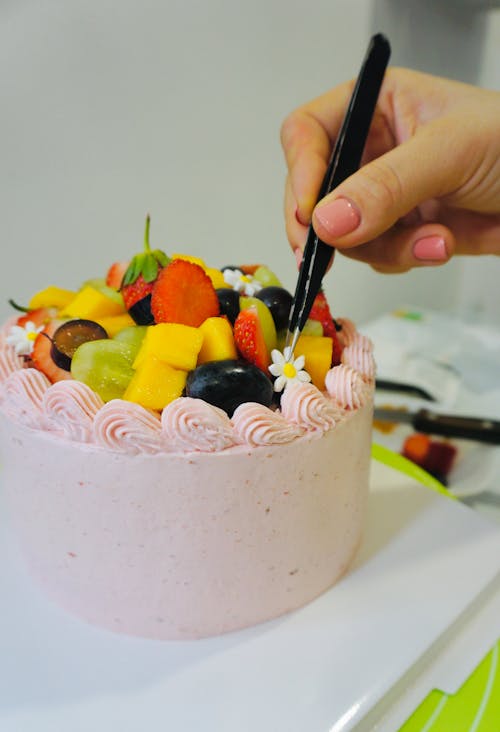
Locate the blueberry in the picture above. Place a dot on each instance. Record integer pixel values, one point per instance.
(140, 311)
(227, 384)
(229, 301)
(279, 302)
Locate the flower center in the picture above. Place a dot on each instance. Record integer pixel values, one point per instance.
(289, 370)
(245, 278)
(31, 336)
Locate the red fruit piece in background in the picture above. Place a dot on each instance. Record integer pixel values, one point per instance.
(434, 456)
(249, 339)
(115, 274)
(249, 269)
(416, 447)
(41, 356)
(183, 293)
(40, 316)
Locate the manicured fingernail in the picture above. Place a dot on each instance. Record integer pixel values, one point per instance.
(298, 256)
(430, 248)
(338, 217)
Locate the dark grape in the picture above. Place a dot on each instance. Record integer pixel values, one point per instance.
(140, 311)
(227, 384)
(229, 302)
(279, 302)
(69, 336)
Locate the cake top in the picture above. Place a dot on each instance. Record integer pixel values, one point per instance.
(166, 352)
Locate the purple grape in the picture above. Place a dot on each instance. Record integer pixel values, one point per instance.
(69, 336)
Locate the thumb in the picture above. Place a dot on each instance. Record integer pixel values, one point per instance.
(371, 201)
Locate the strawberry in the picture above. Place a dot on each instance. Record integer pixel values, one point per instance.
(183, 293)
(139, 278)
(320, 311)
(41, 356)
(40, 316)
(249, 269)
(115, 274)
(249, 339)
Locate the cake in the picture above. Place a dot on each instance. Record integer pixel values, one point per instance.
(210, 512)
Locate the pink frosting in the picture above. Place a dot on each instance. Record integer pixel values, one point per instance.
(359, 359)
(306, 406)
(192, 424)
(257, 425)
(9, 362)
(70, 406)
(348, 331)
(345, 386)
(128, 427)
(22, 394)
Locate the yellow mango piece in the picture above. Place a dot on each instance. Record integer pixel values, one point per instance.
(113, 324)
(91, 304)
(217, 277)
(218, 340)
(318, 352)
(172, 343)
(189, 258)
(155, 384)
(51, 297)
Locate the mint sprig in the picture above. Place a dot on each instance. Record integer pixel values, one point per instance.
(147, 263)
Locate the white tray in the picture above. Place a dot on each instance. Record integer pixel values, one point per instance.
(424, 559)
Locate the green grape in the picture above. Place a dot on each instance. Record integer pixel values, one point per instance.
(265, 319)
(133, 336)
(100, 285)
(312, 328)
(105, 366)
(266, 278)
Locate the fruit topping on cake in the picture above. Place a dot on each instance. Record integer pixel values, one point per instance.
(158, 327)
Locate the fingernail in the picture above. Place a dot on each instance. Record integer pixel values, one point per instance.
(431, 248)
(298, 256)
(300, 219)
(338, 217)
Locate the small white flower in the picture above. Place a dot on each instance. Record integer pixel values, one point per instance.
(286, 370)
(23, 339)
(240, 282)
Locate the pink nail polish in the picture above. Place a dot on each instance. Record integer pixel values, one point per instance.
(430, 248)
(298, 256)
(338, 217)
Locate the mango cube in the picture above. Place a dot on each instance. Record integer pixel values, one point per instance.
(113, 324)
(155, 384)
(172, 343)
(218, 341)
(51, 297)
(217, 277)
(91, 304)
(318, 351)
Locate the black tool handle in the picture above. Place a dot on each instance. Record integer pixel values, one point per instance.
(450, 425)
(345, 160)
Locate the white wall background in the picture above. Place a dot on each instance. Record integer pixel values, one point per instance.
(111, 108)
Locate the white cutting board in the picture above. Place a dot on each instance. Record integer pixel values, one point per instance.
(424, 559)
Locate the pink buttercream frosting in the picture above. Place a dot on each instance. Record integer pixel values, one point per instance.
(345, 386)
(70, 407)
(347, 333)
(9, 362)
(257, 425)
(128, 427)
(306, 406)
(22, 396)
(360, 359)
(192, 424)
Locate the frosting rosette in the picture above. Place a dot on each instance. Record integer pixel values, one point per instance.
(21, 396)
(192, 424)
(347, 332)
(306, 406)
(70, 407)
(256, 425)
(9, 362)
(360, 359)
(127, 427)
(345, 386)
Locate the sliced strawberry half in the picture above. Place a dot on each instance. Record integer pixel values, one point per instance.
(40, 316)
(115, 274)
(41, 356)
(249, 339)
(320, 311)
(183, 293)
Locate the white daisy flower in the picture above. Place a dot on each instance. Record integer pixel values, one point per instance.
(240, 282)
(23, 339)
(287, 370)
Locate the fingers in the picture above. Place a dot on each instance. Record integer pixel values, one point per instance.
(405, 247)
(373, 199)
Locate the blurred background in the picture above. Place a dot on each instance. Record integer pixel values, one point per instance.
(112, 109)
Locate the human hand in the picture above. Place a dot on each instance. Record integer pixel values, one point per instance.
(429, 185)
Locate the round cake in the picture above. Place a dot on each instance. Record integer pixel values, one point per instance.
(203, 513)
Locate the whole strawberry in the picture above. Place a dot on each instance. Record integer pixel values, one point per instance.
(139, 278)
(320, 311)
